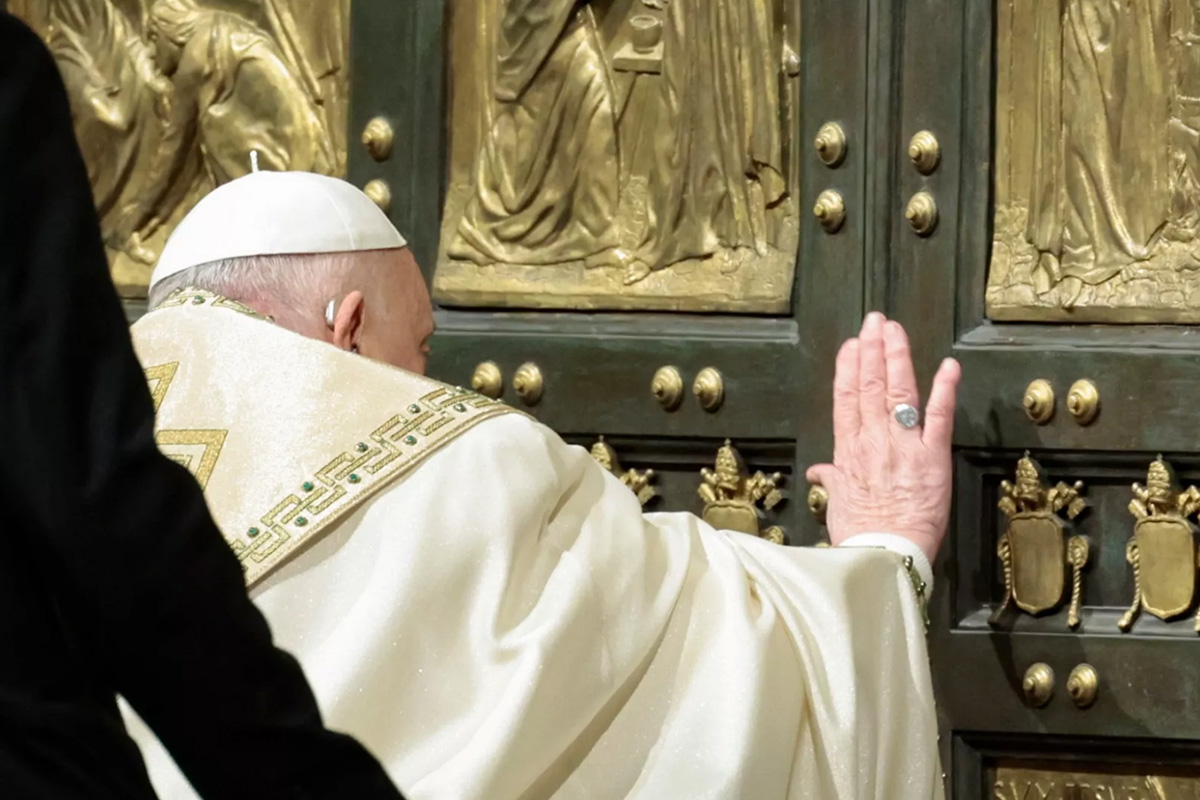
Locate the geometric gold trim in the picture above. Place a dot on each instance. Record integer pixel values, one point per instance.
(392, 450)
(159, 378)
(212, 441)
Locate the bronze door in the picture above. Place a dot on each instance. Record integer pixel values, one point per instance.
(1064, 631)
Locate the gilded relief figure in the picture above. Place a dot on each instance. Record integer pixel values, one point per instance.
(119, 102)
(620, 154)
(1097, 199)
(234, 93)
(717, 178)
(546, 176)
(170, 97)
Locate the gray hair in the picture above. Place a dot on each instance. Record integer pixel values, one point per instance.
(302, 283)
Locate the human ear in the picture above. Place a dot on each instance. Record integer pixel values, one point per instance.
(348, 322)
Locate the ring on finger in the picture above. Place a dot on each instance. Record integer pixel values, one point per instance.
(906, 415)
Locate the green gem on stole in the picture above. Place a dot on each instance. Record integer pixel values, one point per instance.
(354, 477)
(361, 447)
(459, 407)
(414, 408)
(410, 440)
(307, 486)
(252, 532)
(301, 521)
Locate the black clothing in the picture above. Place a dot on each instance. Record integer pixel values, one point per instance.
(113, 577)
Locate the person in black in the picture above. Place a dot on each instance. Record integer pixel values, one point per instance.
(113, 577)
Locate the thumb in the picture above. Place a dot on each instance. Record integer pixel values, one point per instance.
(821, 474)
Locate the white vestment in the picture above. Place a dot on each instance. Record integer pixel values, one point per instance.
(500, 620)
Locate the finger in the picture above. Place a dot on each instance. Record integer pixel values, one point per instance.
(872, 374)
(901, 379)
(939, 414)
(846, 421)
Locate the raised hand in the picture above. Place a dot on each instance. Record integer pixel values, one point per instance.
(886, 477)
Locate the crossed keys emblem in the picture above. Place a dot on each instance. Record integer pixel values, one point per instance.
(1035, 551)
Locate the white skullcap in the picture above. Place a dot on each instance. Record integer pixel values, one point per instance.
(276, 213)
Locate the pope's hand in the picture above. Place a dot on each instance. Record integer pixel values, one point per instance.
(886, 478)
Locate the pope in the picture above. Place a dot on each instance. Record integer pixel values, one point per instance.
(485, 607)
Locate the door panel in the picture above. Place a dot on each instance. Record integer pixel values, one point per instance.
(996, 739)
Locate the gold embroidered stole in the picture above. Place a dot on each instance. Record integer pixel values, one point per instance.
(286, 435)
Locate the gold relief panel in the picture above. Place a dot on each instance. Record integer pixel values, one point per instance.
(1097, 162)
(1091, 782)
(170, 97)
(632, 154)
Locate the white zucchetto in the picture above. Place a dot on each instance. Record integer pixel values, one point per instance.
(276, 213)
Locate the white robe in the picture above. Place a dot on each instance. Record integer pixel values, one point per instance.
(504, 622)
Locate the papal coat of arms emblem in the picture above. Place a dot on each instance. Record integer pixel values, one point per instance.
(1036, 550)
(1162, 550)
(731, 495)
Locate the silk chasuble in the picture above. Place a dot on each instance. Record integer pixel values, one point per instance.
(493, 616)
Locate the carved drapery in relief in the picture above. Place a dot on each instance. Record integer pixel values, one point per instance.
(1097, 162)
(169, 97)
(620, 154)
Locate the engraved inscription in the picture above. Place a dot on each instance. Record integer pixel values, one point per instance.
(1016, 783)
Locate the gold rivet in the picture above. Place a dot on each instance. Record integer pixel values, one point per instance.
(922, 213)
(528, 383)
(830, 144)
(380, 194)
(925, 152)
(1083, 401)
(818, 501)
(1038, 684)
(1082, 684)
(667, 387)
(488, 380)
(377, 137)
(709, 387)
(1039, 401)
(830, 210)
